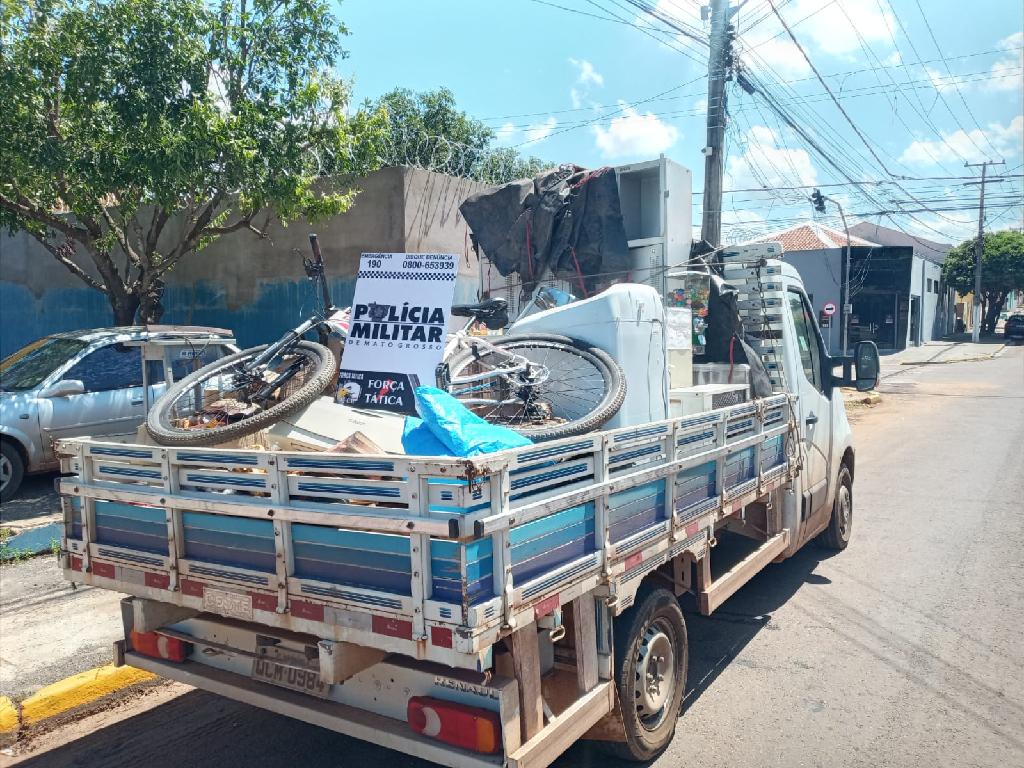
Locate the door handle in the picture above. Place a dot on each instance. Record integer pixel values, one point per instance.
(137, 402)
(811, 420)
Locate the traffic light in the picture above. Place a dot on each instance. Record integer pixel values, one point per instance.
(819, 201)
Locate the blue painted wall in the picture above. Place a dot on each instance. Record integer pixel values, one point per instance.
(279, 306)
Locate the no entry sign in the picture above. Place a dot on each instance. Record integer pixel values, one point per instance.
(829, 309)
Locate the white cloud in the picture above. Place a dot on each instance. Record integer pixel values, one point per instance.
(894, 59)
(1005, 139)
(943, 82)
(634, 134)
(821, 29)
(587, 74)
(700, 106)
(534, 133)
(576, 98)
(506, 133)
(766, 162)
(1008, 73)
(540, 131)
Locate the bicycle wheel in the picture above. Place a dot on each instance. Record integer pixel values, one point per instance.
(213, 405)
(574, 388)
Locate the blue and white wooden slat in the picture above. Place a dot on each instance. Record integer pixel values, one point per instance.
(352, 558)
(349, 489)
(633, 510)
(131, 526)
(239, 542)
(552, 541)
(205, 480)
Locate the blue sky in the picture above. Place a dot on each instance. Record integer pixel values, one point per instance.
(570, 87)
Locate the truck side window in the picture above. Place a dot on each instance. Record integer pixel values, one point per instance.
(806, 339)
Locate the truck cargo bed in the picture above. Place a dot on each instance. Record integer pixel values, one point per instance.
(434, 558)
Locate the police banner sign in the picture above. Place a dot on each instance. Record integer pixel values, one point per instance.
(397, 329)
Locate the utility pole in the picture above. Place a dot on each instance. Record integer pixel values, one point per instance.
(719, 66)
(844, 289)
(978, 248)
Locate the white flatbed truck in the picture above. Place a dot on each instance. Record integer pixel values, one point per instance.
(472, 612)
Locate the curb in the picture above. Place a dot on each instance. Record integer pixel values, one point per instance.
(70, 694)
(973, 359)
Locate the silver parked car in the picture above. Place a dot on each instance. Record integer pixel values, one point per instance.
(90, 383)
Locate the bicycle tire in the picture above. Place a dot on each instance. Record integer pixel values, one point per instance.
(158, 419)
(611, 373)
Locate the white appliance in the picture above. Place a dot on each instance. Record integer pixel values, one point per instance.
(689, 401)
(628, 322)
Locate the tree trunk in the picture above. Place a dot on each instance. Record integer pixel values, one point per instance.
(994, 305)
(124, 307)
(151, 307)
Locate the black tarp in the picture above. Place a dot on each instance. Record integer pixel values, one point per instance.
(567, 221)
(726, 341)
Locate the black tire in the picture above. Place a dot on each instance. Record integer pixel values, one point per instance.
(158, 422)
(614, 381)
(840, 525)
(648, 733)
(14, 467)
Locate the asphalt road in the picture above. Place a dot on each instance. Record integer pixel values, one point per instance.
(905, 650)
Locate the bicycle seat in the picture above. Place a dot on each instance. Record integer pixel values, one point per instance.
(493, 312)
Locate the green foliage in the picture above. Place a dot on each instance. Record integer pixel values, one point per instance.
(1002, 263)
(1002, 270)
(429, 131)
(126, 114)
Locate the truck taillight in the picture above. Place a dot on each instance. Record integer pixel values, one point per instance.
(160, 646)
(475, 729)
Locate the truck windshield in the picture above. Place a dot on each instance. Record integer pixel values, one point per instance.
(27, 367)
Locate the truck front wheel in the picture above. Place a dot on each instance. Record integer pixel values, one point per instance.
(650, 664)
(837, 535)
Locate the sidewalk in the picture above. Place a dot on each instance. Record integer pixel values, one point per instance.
(953, 349)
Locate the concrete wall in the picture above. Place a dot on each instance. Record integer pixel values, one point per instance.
(821, 271)
(255, 287)
(932, 323)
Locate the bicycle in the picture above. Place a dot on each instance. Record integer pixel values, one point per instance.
(242, 393)
(543, 386)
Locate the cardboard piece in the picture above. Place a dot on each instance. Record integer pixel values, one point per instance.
(324, 424)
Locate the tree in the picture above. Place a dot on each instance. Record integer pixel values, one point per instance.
(135, 132)
(1002, 271)
(429, 131)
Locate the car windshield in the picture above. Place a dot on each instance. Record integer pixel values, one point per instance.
(27, 367)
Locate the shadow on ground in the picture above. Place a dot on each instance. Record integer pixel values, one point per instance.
(201, 730)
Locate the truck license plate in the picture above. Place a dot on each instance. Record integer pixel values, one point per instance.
(305, 680)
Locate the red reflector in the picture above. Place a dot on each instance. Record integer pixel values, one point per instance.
(634, 560)
(76, 563)
(468, 727)
(158, 580)
(160, 646)
(386, 625)
(104, 570)
(441, 637)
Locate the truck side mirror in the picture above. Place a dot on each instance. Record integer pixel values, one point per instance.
(866, 366)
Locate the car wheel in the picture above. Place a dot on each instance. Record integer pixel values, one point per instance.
(837, 535)
(12, 470)
(650, 673)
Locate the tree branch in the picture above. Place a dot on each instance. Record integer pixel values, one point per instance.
(63, 254)
(122, 239)
(27, 209)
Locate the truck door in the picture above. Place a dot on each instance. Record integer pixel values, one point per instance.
(805, 376)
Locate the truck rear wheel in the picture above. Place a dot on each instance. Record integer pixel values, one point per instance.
(651, 656)
(840, 526)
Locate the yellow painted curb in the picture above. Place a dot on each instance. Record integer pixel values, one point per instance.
(80, 689)
(8, 716)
